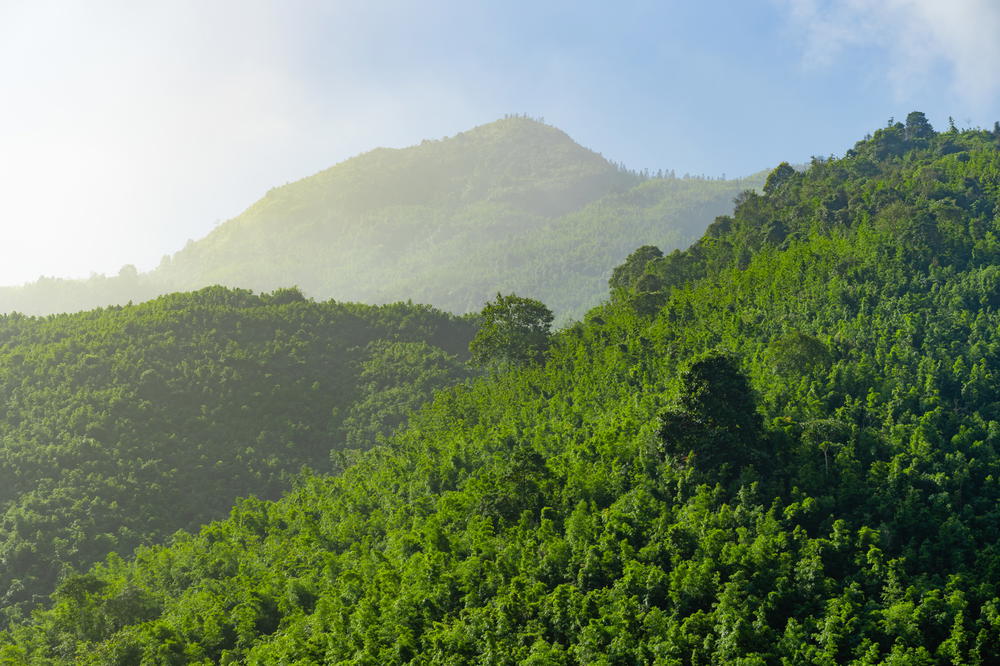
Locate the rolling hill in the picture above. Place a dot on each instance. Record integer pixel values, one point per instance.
(121, 425)
(512, 206)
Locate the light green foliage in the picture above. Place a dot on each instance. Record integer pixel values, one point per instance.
(846, 513)
(512, 206)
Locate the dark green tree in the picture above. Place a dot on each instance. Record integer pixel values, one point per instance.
(917, 126)
(648, 294)
(795, 353)
(716, 417)
(777, 178)
(515, 331)
(628, 273)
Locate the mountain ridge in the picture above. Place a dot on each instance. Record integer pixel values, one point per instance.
(401, 223)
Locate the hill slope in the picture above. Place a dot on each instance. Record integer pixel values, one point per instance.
(780, 446)
(514, 205)
(120, 426)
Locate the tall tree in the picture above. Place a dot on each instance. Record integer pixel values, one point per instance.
(628, 273)
(515, 331)
(917, 126)
(716, 418)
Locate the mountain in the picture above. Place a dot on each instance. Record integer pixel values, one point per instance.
(779, 446)
(512, 206)
(120, 426)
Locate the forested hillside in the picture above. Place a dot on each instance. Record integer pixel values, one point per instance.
(514, 205)
(120, 426)
(777, 447)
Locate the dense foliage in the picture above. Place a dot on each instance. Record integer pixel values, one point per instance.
(512, 331)
(514, 206)
(120, 426)
(777, 447)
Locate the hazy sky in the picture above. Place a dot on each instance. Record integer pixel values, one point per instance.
(128, 127)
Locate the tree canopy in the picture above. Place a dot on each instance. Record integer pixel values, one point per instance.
(513, 331)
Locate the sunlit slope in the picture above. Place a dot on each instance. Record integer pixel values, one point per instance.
(515, 205)
(566, 262)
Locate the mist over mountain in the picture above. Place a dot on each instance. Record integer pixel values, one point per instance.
(512, 206)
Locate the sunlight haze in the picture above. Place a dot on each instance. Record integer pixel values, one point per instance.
(127, 129)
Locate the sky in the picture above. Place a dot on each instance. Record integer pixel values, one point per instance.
(128, 128)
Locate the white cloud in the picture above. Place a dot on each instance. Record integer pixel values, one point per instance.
(918, 36)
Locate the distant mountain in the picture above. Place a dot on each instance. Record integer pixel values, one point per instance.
(515, 205)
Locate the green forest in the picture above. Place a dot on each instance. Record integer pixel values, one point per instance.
(121, 426)
(778, 446)
(512, 206)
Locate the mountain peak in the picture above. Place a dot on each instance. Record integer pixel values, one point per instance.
(518, 127)
(516, 161)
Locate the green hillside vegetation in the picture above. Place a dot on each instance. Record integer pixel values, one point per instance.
(777, 447)
(120, 426)
(514, 205)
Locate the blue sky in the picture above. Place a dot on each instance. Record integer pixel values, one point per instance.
(128, 128)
